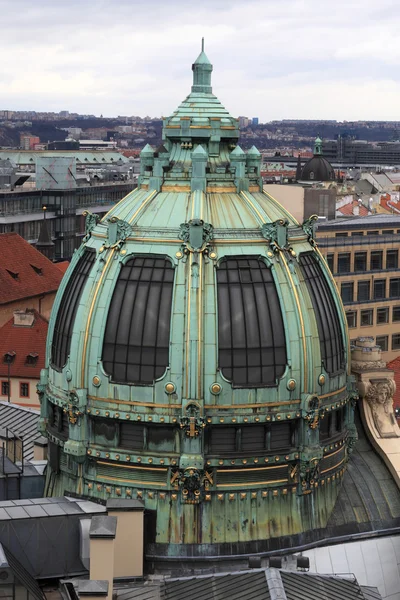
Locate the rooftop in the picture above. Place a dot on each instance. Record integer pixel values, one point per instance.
(24, 271)
(21, 421)
(381, 220)
(29, 345)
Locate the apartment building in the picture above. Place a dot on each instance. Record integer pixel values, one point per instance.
(363, 255)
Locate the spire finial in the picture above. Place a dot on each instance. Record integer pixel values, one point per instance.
(202, 44)
(202, 69)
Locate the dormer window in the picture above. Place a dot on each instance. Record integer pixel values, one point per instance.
(9, 357)
(13, 274)
(32, 358)
(37, 270)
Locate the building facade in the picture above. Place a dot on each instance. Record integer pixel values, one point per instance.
(363, 255)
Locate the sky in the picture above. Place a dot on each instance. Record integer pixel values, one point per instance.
(273, 59)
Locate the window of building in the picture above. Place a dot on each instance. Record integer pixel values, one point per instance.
(387, 231)
(360, 261)
(394, 288)
(344, 262)
(396, 341)
(249, 438)
(341, 234)
(366, 317)
(396, 314)
(58, 421)
(65, 320)
(351, 318)
(379, 289)
(324, 205)
(251, 336)
(326, 313)
(347, 292)
(376, 260)
(24, 390)
(382, 341)
(374, 232)
(330, 258)
(382, 316)
(357, 233)
(363, 291)
(4, 388)
(32, 358)
(392, 259)
(136, 339)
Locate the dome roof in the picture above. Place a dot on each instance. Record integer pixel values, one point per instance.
(318, 168)
(195, 344)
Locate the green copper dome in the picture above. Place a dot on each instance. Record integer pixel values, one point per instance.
(197, 352)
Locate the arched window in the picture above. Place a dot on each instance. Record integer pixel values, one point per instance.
(136, 341)
(65, 320)
(251, 336)
(326, 314)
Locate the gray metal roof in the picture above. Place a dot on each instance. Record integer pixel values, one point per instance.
(308, 586)
(22, 421)
(47, 507)
(248, 585)
(381, 220)
(22, 575)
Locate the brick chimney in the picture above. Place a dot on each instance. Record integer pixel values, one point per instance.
(24, 318)
(102, 541)
(129, 544)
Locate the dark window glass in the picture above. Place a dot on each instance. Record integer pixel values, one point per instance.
(394, 291)
(68, 307)
(281, 436)
(136, 341)
(392, 259)
(341, 234)
(344, 263)
(376, 260)
(58, 421)
(104, 428)
(379, 289)
(326, 314)
(396, 341)
(387, 231)
(374, 232)
(363, 292)
(396, 314)
(382, 316)
(339, 414)
(325, 426)
(367, 317)
(252, 346)
(253, 438)
(4, 388)
(330, 260)
(360, 261)
(24, 390)
(382, 341)
(160, 438)
(351, 319)
(357, 233)
(131, 436)
(347, 292)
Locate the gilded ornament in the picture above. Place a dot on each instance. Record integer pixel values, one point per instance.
(291, 385)
(215, 389)
(96, 380)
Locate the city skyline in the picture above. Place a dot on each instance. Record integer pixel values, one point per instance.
(275, 61)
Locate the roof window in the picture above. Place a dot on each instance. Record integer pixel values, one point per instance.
(9, 357)
(32, 358)
(13, 274)
(37, 270)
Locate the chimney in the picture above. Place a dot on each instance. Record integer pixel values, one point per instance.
(356, 210)
(92, 589)
(102, 541)
(24, 318)
(129, 544)
(40, 448)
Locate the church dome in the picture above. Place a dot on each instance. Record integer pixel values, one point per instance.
(197, 351)
(318, 168)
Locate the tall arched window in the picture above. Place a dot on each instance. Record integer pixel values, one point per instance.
(326, 314)
(65, 320)
(251, 336)
(136, 341)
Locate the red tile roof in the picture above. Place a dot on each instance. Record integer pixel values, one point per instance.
(63, 265)
(348, 209)
(390, 205)
(24, 271)
(23, 341)
(394, 365)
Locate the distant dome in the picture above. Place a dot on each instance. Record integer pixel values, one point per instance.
(318, 168)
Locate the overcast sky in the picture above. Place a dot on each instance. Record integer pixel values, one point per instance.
(275, 59)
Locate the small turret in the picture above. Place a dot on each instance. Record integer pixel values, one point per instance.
(202, 69)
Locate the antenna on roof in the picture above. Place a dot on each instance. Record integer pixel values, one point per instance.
(202, 44)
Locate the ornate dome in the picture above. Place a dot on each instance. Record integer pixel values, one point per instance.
(197, 351)
(317, 168)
